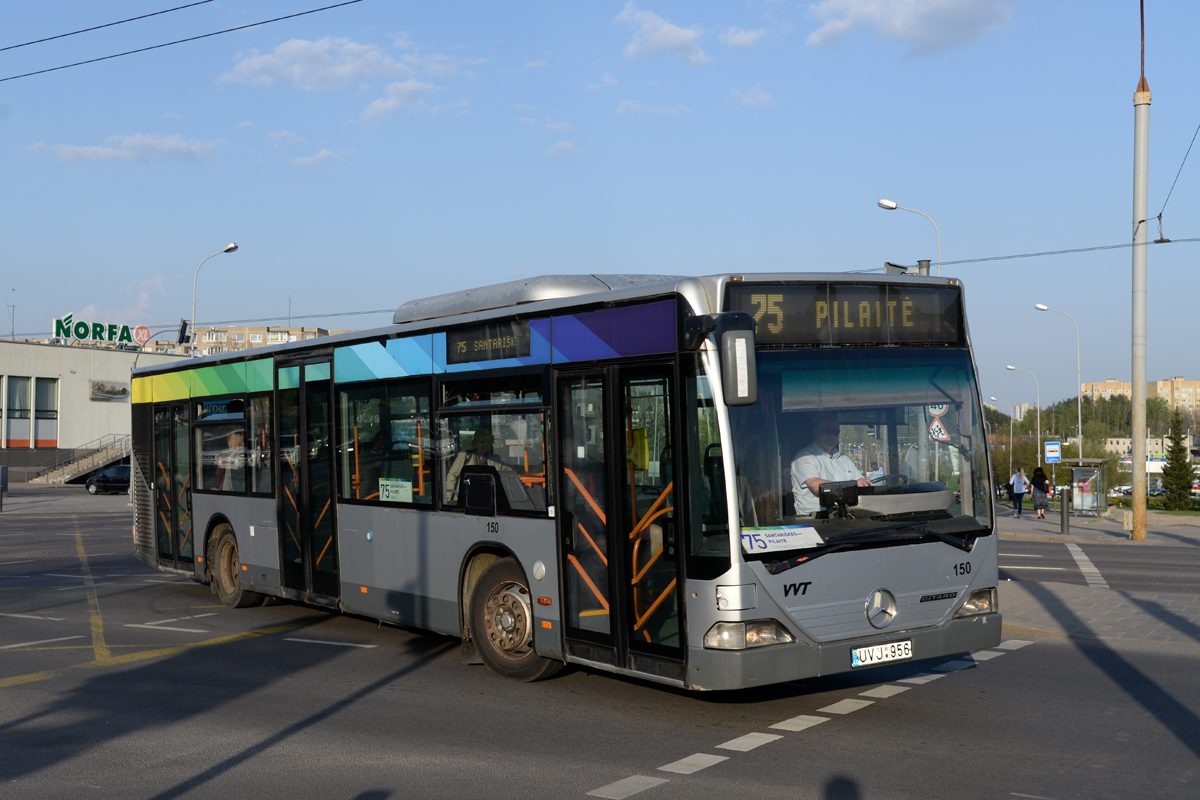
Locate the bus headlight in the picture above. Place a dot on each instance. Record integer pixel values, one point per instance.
(741, 635)
(981, 601)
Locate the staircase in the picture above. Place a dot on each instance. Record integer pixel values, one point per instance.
(87, 458)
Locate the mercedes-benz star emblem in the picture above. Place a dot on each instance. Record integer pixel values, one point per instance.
(881, 608)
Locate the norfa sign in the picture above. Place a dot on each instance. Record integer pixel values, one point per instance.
(67, 328)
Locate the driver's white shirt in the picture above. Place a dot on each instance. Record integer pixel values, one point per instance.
(814, 462)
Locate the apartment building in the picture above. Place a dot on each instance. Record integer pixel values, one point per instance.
(210, 340)
(1177, 391)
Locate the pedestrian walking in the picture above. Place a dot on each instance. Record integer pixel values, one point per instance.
(1020, 485)
(1041, 491)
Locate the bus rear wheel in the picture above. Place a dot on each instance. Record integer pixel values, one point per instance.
(501, 624)
(227, 572)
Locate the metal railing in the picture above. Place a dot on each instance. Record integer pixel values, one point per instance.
(101, 446)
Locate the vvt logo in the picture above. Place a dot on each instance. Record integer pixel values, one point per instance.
(796, 589)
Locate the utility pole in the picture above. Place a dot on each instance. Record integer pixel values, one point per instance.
(1141, 164)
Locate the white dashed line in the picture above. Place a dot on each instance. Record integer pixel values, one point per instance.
(845, 706)
(155, 627)
(955, 666)
(920, 678)
(884, 692)
(693, 763)
(339, 644)
(1012, 644)
(627, 787)
(987, 655)
(1090, 573)
(744, 744)
(31, 616)
(799, 723)
(10, 563)
(82, 586)
(43, 641)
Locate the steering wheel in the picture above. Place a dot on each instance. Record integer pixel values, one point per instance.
(890, 481)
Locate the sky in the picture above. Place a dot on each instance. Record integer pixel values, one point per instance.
(386, 150)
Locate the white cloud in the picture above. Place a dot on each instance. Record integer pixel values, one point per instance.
(402, 94)
(753, 97)
(140, 147)
(736, 37)
(634, 107)
(285, 139)
(605, 80)
(564, 149)
(169, 115)
(558, 126)
(654, 35)
(929, 26)
(312, 161)
(325, 64)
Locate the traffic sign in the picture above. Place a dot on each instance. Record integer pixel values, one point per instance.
(1053, 452)
(937, 431)
(937, 409)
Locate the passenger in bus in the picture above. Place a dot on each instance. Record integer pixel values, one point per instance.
(230, 475)
(821, 462)
(479, 455)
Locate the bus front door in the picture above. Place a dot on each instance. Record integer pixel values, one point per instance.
(306, 507)
(619, 521)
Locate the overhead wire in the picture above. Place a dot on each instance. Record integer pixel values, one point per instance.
(1044, 253)
(179, 41)
(105, 25)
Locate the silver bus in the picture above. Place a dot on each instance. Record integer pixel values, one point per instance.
(711, 483)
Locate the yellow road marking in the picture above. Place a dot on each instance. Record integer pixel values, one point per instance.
(114, 661)
(97, 621)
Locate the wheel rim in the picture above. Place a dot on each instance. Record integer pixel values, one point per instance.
(508, 620)
(229, 567)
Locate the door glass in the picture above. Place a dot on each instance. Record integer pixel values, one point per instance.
(180, 435)
(319, 462)
(586, 546)
(290, 495)
(649, 520)
(163, 496)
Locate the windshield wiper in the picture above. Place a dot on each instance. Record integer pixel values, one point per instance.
(883, 533)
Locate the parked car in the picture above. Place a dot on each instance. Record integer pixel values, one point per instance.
(113, 479)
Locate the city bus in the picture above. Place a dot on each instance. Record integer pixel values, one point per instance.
(609, 471)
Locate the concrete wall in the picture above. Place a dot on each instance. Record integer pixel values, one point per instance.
(81, 419)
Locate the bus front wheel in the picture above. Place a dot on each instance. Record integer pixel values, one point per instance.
(227, 569)
(501, 624)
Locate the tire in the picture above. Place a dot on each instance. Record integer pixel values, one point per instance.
(227, 569)
(501, 624)
(93, 489)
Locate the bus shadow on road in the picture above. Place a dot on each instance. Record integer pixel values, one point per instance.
(123, 704)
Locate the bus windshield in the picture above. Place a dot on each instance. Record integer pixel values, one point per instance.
(844, 443)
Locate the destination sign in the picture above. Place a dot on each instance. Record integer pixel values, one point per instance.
(850, 313)
(488, 342)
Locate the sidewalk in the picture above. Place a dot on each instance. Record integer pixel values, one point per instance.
(1094, 612)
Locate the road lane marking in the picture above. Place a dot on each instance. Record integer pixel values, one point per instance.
(799, 723)
(99, 646)
(61, 575)
(627, 787)
(1019, 555)
(1022, 566)
(1012, 644)
(1090, 573)
(321, 641)
(920, 678)
(43, 641)
(987, 655)
(885, 691)
(88, 586)
(31, 616)
(10, 563)
(693, 763)
(744, 744)
(154, 627)
(845, 706)
(955, 666)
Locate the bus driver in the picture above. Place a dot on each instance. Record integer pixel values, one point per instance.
(821, 462)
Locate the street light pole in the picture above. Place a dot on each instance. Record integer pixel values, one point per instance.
(888, 205)
(1011, 413)
(1038, 388)
(229, 248)
(1078, 375)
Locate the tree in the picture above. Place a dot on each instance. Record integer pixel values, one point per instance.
(1178, 473)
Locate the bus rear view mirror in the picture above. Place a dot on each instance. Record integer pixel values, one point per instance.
(735, 341)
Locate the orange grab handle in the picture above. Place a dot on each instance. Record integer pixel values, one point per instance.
(588, 581)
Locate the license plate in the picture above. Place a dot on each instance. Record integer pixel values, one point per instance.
(880, 653)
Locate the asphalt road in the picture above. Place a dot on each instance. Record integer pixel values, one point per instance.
(117, 680)
(1122, 567)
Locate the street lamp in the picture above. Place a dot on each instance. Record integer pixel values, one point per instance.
(1078, 374)
(888, 205)
(229, 248)
(1012, 412)
(1038, 388)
